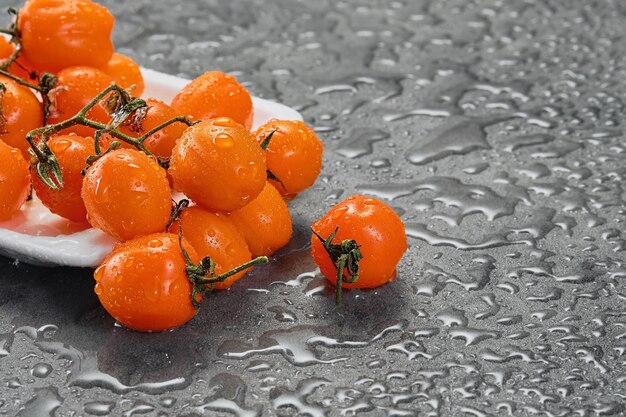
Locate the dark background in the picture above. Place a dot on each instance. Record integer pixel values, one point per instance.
(497, 129)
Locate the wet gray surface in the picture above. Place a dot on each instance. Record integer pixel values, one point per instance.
(496, 130)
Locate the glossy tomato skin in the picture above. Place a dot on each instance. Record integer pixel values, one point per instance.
(22, 113)
(20, 67)
(14, 181)
(265, 222)
(215, 94)
(215, 235)
(57, 34)
(142, 283)
(162, 142)
(218, 164)
(77, 86)
(374, 226)
(125, 73)
(294, 154)
(6, 48)
(126, 194)
(71, 152)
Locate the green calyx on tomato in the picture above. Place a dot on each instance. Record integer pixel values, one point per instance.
(202, 275)
(345, 256)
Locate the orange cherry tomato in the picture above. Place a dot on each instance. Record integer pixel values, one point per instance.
(294, 154)
(143, 285)
(125, 72)
(126, 194)
(71, 152)
(57, 34)
(20, 67)
(14, 181)
(375, 227)
(218, 164)
(162, 142)
(265, 222)
(6, 48)
(21, 112)
(216, 236)
(76, 87)
(215, 94)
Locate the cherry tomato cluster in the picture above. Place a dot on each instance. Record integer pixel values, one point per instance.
(72, 125)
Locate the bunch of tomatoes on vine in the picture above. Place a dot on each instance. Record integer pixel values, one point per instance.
(75, 131)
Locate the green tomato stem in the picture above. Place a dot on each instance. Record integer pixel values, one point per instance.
(47, 163)
(11, 59)
(341, 264)
(20, 80)
(236, 270)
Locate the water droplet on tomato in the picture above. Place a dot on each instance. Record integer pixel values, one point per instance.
(339, 212)
(241, 172)
(97, 275)
(102, 192)
(174, 287)
(370, 202)
(224, 141)
(231, 250)
(128, 225)
(155, 243)
(61, 145)
(254, 169)
(224, 122)
(128, 263)
(98, 289)
(151, 294)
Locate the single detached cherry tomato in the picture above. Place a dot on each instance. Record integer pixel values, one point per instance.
(375, 227)
(14, 181)
(265, 222)
(162, 142)
(57, 34)
(125, 72)
(218, 164)
(294, 154)
(21, 113)
(20, 67)
(126, 194)
(71, 152)
(215, 235)
(77, 86)
(143, 285)
(215, 94)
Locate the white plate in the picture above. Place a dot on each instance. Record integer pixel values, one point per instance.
(38, 237)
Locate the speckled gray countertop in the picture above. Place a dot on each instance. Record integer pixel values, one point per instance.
(494, 127)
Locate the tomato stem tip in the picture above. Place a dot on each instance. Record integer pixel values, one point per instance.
(177, 209)
(266, 141)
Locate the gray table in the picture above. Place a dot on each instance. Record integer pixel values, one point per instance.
(495, 129)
